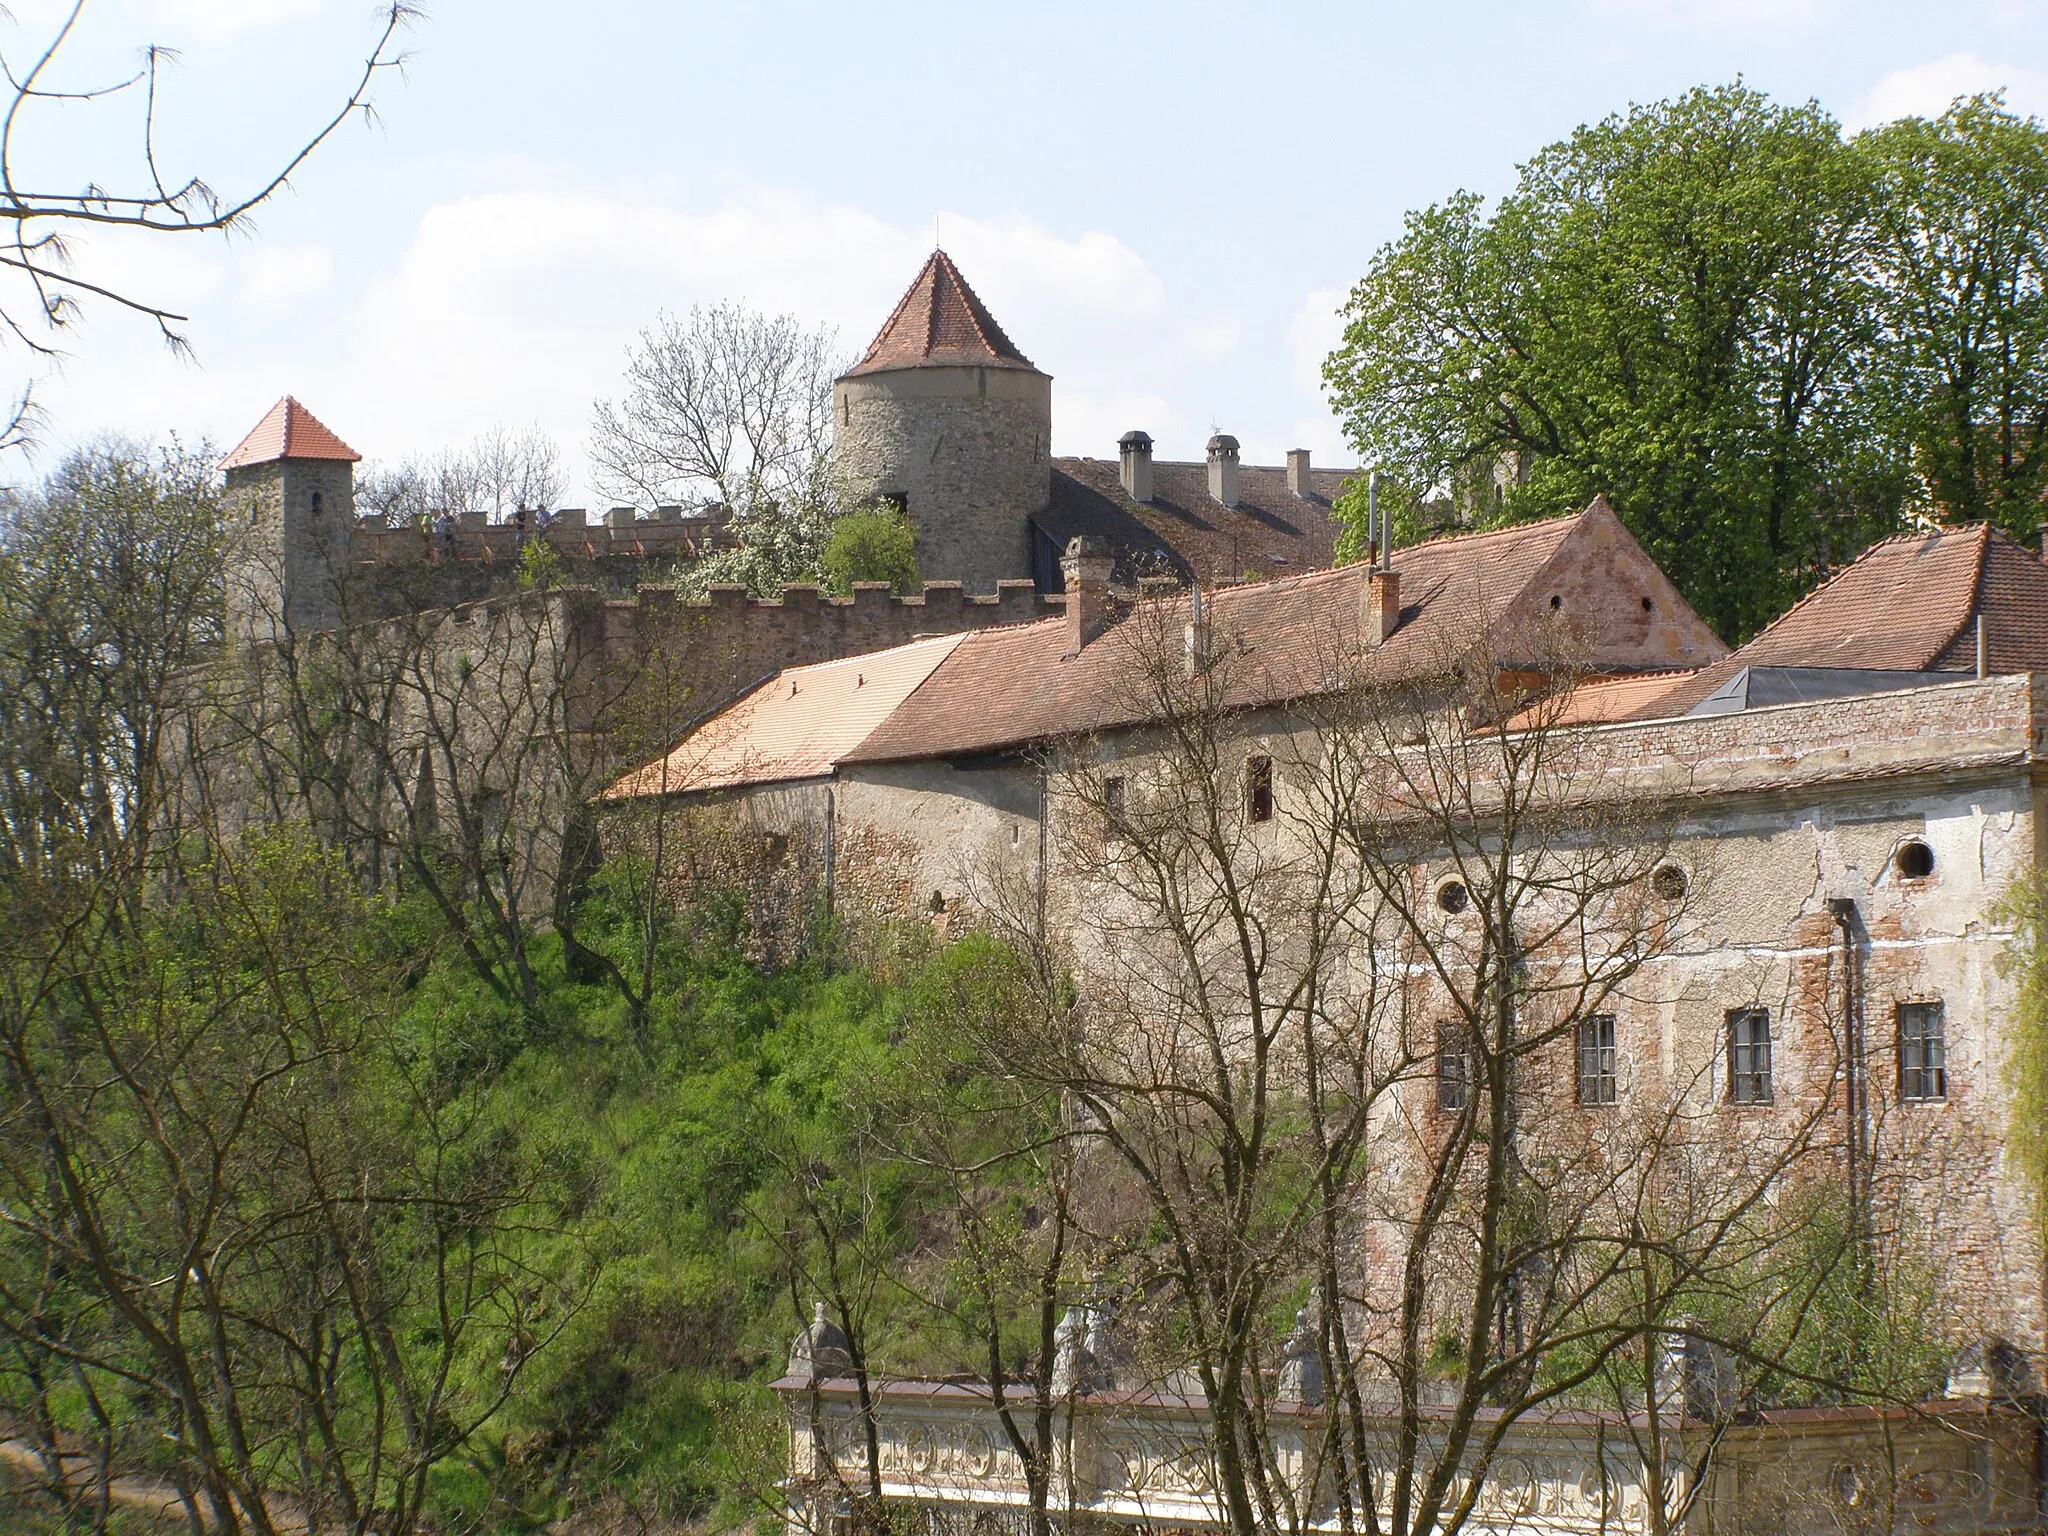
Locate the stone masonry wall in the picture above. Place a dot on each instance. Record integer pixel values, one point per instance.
(719, 648)
(968, 449)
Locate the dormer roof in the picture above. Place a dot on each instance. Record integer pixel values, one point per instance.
(939, 323)
(288, 431)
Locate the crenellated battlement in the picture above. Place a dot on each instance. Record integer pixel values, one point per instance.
(669, 533)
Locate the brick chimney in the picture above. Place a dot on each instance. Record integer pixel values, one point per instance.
(1297, 474)
(1134, 464)
(1086, 567)
(1223, 468)
(1380, 613)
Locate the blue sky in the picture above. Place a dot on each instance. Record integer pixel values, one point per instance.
(1163, 201)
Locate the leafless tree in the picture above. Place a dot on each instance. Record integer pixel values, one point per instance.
(247, 1229)
(497, 474)
(147, 198)
(729, 407)
(1327, 960)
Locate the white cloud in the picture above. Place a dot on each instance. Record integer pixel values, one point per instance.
(1925, 90)
(517, 305)
(282, 279)
(1312, 335)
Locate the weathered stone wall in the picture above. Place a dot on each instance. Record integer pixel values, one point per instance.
(1772, 815)
(969, 451)
(291, 520)
(949, 845)
(719, 648)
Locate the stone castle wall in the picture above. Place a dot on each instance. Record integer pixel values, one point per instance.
(717, 648)
(969, 451)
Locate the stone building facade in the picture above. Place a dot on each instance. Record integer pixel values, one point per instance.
(1826, 855)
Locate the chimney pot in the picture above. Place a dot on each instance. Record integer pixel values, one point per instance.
(1086, 567)
(1223, 469)
(1134, 464)
(1298, 480)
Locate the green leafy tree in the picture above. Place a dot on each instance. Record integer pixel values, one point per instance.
(1960, 241)
(871, 544)
(1670, 307)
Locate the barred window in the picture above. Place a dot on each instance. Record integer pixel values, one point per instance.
(1923, 1052)
(1749, 1055)
(1453, 1066)
(1597, 1080)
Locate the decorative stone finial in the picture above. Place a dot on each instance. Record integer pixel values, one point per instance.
(821, 1350)
(1301, 1377)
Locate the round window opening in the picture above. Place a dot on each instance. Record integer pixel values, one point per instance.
(1668, 883)
(1453, 897)
(1915, 860)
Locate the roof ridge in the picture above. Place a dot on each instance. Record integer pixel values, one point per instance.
(1976, 603)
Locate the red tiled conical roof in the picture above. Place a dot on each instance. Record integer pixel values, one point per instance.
(288, 431)
(940, 323)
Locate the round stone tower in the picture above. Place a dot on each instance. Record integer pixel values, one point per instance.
(946, 418)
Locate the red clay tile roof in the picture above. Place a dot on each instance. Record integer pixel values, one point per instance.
(795, 727)
(1289, 639)
(1908, 604)
(1603, 700)
(940, 323)
(1185, 532)
(288, 431)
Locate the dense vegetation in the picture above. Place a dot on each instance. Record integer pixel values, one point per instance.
(1766, 342)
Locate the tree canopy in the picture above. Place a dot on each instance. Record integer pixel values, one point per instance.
(1767, 342)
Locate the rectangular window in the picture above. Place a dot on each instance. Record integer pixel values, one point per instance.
(1113, 798)
(1923, 1052)
(1749, 1055)
(1258, 789)
(1597, 1078)
(1453, 1066)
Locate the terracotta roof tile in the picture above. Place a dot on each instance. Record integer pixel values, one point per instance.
(1908, 604)
(1289, 639)
(795, 727)
(1604, 700)
(1184, 531)
(940, 323)
(288, 431)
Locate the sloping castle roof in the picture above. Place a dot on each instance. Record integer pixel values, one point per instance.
(1002, 689)
(1908, 604)
(939, 323)
(1184, 531)
(797, 726)
(288, 431)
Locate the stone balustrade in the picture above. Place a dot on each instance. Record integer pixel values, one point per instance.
(1144, 1459)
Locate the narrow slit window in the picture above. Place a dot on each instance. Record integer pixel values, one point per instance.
(1453, 1067)
(1923, 1052)
(1258, 789)
(1749, 1056)
(1113, 798)
(1598, 1080)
